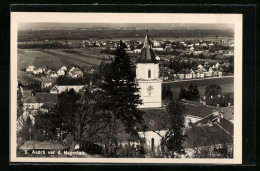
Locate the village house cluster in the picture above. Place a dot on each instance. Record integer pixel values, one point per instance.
(196, 47)
(41, 94)
(201, 71)
(73, 72)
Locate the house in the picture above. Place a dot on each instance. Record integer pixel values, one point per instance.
(220, 74)
(200, 66)
(30, 68)
(181, 74)
(188, 74)
(71, 68)
(158, 49)
(42, 70)
(54, 75)
(35, 72)
(75, 73)
(54, 90)
(39, 70)
(213, 132)
(207, 74)
(48, 82)
(137, 50)
(63, 88)
(210, 71)
(212, 135)
(64, 68)
(61, 73)
(193, 73)
(156, 43)
(217, 65)
(34, 102)
(200, 74)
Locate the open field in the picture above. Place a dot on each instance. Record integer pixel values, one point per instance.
(226, 83)
(55, 58)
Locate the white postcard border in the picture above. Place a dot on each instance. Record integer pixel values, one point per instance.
(57, 17)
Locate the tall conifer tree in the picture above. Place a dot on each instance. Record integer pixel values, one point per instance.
(121, 91)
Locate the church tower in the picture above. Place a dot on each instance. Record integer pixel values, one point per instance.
(147, 76)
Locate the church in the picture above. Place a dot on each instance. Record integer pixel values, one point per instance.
(147, 76)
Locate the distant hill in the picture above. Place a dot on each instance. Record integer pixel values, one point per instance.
(79, 34)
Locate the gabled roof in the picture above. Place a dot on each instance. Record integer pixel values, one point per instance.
(42, 98)
(147, 54)
(75, 70)
(198, 110)
(48, 105)
(223, 123)
(187, 71)
(207, 135)
(49, 80)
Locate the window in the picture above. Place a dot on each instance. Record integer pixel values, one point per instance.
(149, 73)
(152, 144)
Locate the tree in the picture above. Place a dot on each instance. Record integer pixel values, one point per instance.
(121, 94)
(25, 133)
(78, 114)
(45, 126)
(190, 93)
(174, 137)
(183, 93)
(167, 93)
(19, 103)
(213, 90)
(196, 93)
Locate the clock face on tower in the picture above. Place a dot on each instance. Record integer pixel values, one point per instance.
(149, 89)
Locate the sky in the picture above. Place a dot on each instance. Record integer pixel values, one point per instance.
(150, 26)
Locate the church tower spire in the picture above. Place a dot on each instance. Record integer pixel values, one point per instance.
(147, 76)
(147, 54)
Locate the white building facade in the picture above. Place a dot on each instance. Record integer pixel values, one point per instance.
(147, 76)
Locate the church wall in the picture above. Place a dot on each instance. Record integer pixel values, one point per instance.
(154, 98)
(149, 135)
(142, 70)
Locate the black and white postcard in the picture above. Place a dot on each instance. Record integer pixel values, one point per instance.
(126, 88)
